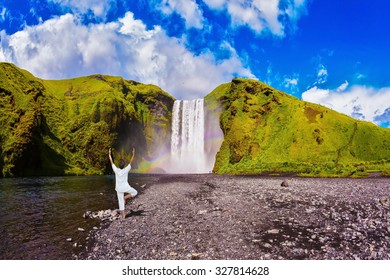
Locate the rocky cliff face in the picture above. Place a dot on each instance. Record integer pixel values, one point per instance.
(266, 130)
(67, 126)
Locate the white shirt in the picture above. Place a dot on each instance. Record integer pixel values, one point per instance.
(121, 175)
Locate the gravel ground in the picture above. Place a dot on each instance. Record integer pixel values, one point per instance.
(250, 217)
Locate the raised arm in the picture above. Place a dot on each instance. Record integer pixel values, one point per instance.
(132, 157)
(110, 157)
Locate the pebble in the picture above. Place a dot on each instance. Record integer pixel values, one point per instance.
(69, 239)
(284, 184)
(196, 256)
(267, 245)
(80, 229)
(103, 215)
(384, 201)
(284, 223)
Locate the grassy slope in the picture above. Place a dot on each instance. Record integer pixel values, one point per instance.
(269, 131)
(66, 127)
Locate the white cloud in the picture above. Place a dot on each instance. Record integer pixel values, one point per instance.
(2, 14)
(384, 118)
(136, 29)
(291, 81)
(2, 41)
(215, 4)
(322, 72)
(188, 9)
(361, 102)
(322, 75)
(295, 9)
(62, 48)
(99, 8)
(343, 86)
(317, 95)
(48, 49)
(260, 15)
(359, 76)
(291, 84)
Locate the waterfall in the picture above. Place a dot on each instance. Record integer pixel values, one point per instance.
(187, 140)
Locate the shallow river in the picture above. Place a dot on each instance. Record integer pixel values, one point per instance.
(39, 214)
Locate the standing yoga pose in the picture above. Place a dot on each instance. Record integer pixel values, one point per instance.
(121, 184)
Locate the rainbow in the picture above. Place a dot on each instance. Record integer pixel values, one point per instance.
(161, 163)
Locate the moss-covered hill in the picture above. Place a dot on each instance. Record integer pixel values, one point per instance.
(266, 130)
(67, 126)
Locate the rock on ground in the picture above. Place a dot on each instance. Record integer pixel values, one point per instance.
(251, 217)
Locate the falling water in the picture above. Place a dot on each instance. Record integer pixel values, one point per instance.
(187, 142)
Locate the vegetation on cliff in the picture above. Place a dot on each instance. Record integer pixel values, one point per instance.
(66, 127)
(266, 130)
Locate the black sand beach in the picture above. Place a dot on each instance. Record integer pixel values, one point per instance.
(250, 217)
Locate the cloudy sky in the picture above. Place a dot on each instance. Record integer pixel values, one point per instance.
(331, 52)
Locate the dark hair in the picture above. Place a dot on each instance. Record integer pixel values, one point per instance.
(122, 163)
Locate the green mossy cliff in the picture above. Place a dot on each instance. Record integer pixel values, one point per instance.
(66, 127)
(266, 130)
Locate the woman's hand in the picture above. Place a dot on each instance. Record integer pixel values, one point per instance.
(109, 156)
(132, 157)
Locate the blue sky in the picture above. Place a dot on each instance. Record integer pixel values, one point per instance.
(335, 53)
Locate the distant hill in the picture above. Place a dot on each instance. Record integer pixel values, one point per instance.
(66, 127)
(266, 130)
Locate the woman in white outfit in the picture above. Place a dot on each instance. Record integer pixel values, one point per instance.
(121, 184)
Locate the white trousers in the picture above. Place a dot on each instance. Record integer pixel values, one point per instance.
(121, 197)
